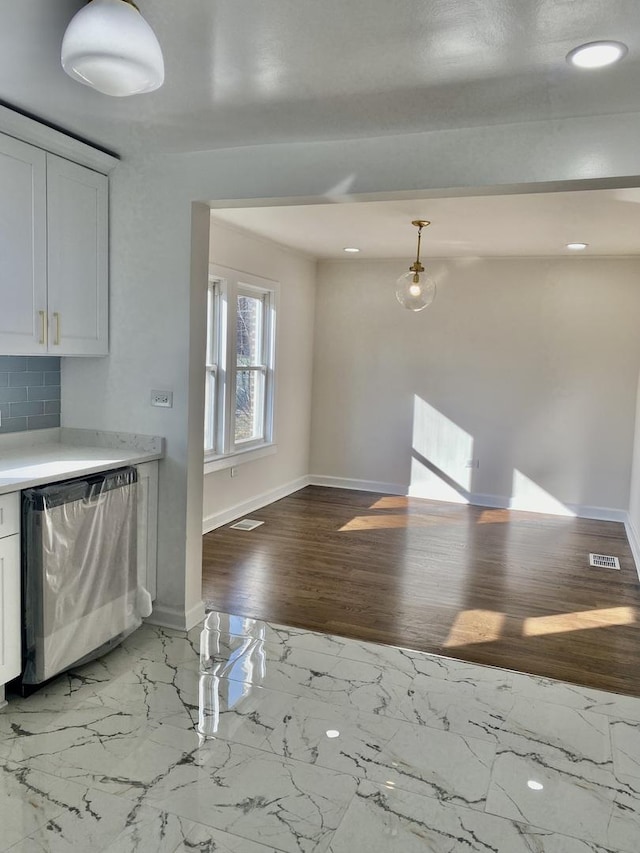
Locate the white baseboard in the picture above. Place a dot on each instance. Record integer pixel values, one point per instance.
(357, 485)
(598, 513)
(169, 616)
(194, 615)
(634, 541)
(476, 499)
(218, 519)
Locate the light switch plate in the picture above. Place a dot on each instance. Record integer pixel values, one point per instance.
(164, 399)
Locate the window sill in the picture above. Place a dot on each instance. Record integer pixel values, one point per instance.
(219, 463)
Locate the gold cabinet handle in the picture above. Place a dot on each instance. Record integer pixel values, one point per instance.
(56, 340)
(43, 327)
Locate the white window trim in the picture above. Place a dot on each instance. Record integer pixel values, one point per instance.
(229, 283)
(214, 346)
(218, 462)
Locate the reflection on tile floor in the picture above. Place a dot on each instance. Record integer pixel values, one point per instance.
(248, 737)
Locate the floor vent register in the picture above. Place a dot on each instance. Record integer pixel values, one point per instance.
(603, 561)
(246, 524)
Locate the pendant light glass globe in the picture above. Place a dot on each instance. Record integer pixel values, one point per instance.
(415, 290)
(108, 45)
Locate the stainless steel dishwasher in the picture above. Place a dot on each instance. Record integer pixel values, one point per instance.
(79, 570)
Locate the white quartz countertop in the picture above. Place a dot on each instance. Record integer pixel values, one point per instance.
(64, 454)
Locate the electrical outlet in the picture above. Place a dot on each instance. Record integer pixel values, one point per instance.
(164, 399)
(472, 463)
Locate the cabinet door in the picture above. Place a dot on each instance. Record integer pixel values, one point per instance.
(10, 653)
(23, 248)
(77, 229)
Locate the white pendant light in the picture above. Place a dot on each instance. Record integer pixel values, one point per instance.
(108, 45)
(414, 290)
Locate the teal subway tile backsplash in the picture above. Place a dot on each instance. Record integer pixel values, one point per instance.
(43, 392)
(29, 392)
(26, 378)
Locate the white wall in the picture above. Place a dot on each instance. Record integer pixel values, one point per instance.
(529, 366)
(152, 345)
(152, 295)
(281, 472)
(633, 520)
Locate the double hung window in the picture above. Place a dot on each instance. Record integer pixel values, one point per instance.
(241, 312)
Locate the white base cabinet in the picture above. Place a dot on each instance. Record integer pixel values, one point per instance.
(10, 599)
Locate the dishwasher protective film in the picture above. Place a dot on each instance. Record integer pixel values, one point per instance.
(79, 570)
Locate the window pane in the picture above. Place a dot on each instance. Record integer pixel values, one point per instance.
(210, 323)
(249, 331)
(249, 422)
(210, 412)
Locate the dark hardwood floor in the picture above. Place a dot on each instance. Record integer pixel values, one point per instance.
(504, 588)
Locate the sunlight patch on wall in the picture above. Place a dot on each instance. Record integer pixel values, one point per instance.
(475, 626)
(561, 623)
(441, 450)
(531, 497)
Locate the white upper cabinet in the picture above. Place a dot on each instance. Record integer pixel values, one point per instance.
(77, 252)
(23, 248)
(54, 278)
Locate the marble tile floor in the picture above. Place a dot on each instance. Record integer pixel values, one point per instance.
(248, 737)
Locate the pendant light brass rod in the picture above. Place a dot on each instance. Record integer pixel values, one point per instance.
(419, 239)
(420, 224)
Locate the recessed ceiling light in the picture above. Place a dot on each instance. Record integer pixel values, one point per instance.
(597, 54)
(351, 249)
(577, 247)
(331, 733)
(535, 786)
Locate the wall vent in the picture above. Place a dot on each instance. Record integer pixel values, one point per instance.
(246, 524)
(603, 561)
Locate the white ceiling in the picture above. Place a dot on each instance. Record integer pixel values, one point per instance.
(538, 224)
(256, 71)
